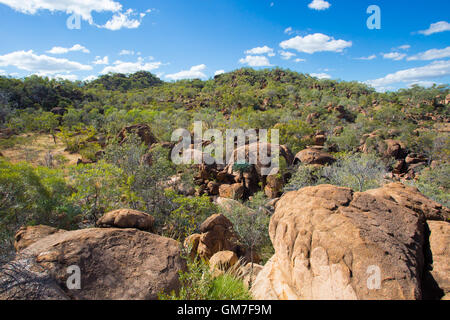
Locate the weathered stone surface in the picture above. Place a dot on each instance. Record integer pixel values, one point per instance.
(248, 273)
(114, 263)
(274, 186)
(223, 260)
(411, 198)
(232, 191)
(29, 235)
(314, 156)
(127, 218)
(395, 149)
(328, 241)
(438, 278)
(217, 235)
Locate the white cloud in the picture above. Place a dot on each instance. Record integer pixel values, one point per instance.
(71, 77)
(62, 50)
(126, 52)
(320, 75)
(131, 67)
(218, 72)
(99, 60)
(29, 61)
(260, 50)
(90, 78)
(431, 54)
(288, 30)
(367, 58)
(286, 55)
(404, 47)
(193, 73)
(319, 5)
(394, 56)
(82, 7)
(300, 60)
(315, 43)
(433, 70)
(425, 84)
(123, 20)
(440, 26)
(255, 61)
(2, 72)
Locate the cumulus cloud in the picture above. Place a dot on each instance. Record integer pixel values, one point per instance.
(440, 26)
(433, 70)
(71, 77)
(255, 61)
(316, 42)
(62, 50)
(319, 5)
(126, 52)
(320, 75)
(394, 56)
(90, 78)
(193, 73)
(99, 60)
(286, 55)
(299, 60)
(260, 50)
(431, 54)
(124, 20)
(84, 9)
(404, 47)
(218, 72)
(131, 67)
(367, 58)
(42, 64)
(288, 30)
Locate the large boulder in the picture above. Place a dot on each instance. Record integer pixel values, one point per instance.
(314, 156)
(333, 243)
(126, 218)
(26, 236)
(222, 261)
(437, 278)
(114, 263)
(395, 149)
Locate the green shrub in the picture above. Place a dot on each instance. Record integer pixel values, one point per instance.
(435, 183)
(198, 283)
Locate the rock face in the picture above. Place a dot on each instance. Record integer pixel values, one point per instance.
(127, 218)
(114, 263)
(143, 131)
(313, 155)
(333, 243)
(26, 236)
(411, 198)
(437, 280)
(223, 261)
(231, 191)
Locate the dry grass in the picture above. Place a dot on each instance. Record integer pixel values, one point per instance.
(36, 150)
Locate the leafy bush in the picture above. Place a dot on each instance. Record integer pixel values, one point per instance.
(435, 183)
(30, 196)
(198, 283)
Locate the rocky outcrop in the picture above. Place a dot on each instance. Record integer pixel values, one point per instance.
(113, 263)
(314, 156)
(232, 191)
(143, 131)
(127, 218)
(333, 243)
(26, 236)
(222, 261)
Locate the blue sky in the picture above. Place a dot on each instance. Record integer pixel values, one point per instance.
(178, 39)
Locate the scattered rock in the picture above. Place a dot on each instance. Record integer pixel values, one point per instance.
(127, 218)
(315, 156)
(222, 261)
(232, 191)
